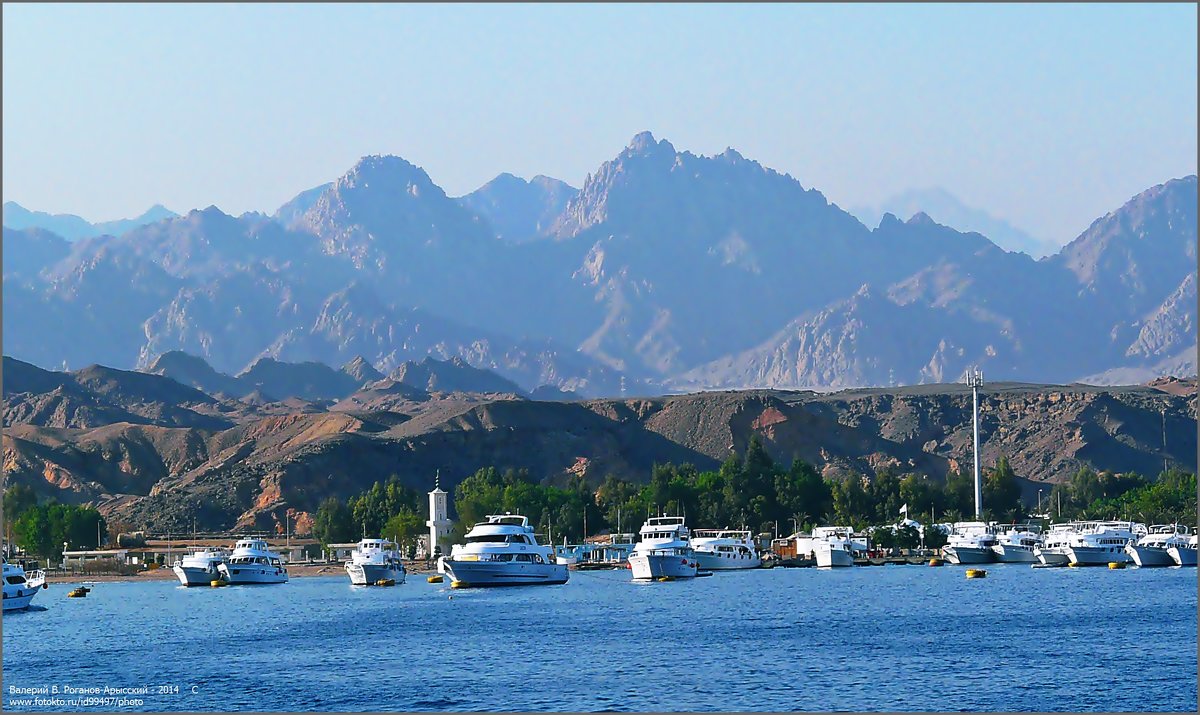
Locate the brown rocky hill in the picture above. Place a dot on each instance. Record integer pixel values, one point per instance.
(148, 470)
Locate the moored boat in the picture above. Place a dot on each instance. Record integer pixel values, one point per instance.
(664, 551)
(1018, 544)
(200, 568)
(1098, 543)
(374, 561)
(252, 562)
(1153, 549)
(503, 551)
(723, 550)
(1184, 554)
(970, 542)
(18, 590)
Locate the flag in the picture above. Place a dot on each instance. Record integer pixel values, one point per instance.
(904, 510)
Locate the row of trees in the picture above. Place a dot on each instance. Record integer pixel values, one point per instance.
(388, 509)
(42, 529)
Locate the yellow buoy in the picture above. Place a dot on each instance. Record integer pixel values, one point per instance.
(935, 562)
(1074, 564)
(77, 593)
(458, 584)
(1116, 564)
(385, 582)
(976, 573)
(218, 582)
(665, 578)
(434, 579)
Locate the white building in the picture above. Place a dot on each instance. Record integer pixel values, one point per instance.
(439, 519)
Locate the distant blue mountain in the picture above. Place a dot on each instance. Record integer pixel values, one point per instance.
(74, 228)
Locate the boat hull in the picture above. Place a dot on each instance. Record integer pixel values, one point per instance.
(370, 574)
(656, 566)
(471, 574)
(20, 599)
(714, 561)
(1182, 557)
(251, 574)
(828, 558)
(1146, 556)
(1009, 554)
(1052, 558)
(1096, 555)
(968, 554)
(194, 575)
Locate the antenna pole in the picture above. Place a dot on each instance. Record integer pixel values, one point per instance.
(975, 380)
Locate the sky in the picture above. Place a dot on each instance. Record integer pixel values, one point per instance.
(1048, 116)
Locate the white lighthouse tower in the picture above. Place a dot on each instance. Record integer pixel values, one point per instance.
(439, 519)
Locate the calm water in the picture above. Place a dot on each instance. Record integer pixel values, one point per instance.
(879, 638)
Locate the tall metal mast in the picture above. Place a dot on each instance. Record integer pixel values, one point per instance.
(975, 380)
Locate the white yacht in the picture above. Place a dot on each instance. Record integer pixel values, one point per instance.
(200, 568)
(722, 550)
(1096, 543)
(1184, 554)
(375, 560)
(20, 587)
(1153, 548)
(664, 550)
(970, 542)
(502, 551)
(1018, 544)
(1053, 550)
(833, 546)
(253, 562)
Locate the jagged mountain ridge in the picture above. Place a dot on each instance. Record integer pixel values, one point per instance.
(666, 268)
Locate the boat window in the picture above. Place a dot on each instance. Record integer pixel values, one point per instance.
(15, 579)
(487, 539)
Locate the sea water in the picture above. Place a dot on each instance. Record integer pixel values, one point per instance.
(867, 638)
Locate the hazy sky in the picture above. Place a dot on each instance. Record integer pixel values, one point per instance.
(1048, 116)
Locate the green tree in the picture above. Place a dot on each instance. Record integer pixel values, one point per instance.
(404, 526)
(1002, 492)
(333, 523)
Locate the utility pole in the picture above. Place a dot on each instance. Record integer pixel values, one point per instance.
(1164, 436)
(975, 380)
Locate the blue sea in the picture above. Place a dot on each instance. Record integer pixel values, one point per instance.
(868, 638)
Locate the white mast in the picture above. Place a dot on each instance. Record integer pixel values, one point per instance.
(975, 380)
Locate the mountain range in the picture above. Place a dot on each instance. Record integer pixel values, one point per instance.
(154, 449)
(665, 271)
(73, 228)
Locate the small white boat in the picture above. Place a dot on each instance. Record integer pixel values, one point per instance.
(20, 587)
(1184, 554)
(723, 550)
(1154, 549)
(1053, 550)
(832, 546)
(252, 562)
(1018, 544)
(375, 560)
(200, 567)
(664, 551)
(970, 542)
(503, 551)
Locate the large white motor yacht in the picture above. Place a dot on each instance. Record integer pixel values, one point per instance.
(1018, 544)
(253, 562)
(503, 551)
(200, 567)
(20, 587)
(1097, 543)
(664, 551)
(1153, 549)
(722, 550)
(375, 560)
(1184, 554)
(970, 542)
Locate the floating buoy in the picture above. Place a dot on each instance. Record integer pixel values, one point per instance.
(1116, 565)
(665, 578)
(1074, 564)
(976, 573)
(434, 579)
(935, 562)
(218, 582)
(80, 592)
(385, 582)
(458, 584)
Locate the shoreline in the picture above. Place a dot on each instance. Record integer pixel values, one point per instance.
(299, 570)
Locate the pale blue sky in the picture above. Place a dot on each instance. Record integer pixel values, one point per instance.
(1048, 116)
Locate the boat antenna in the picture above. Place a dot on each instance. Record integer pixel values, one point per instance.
(975, 380)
